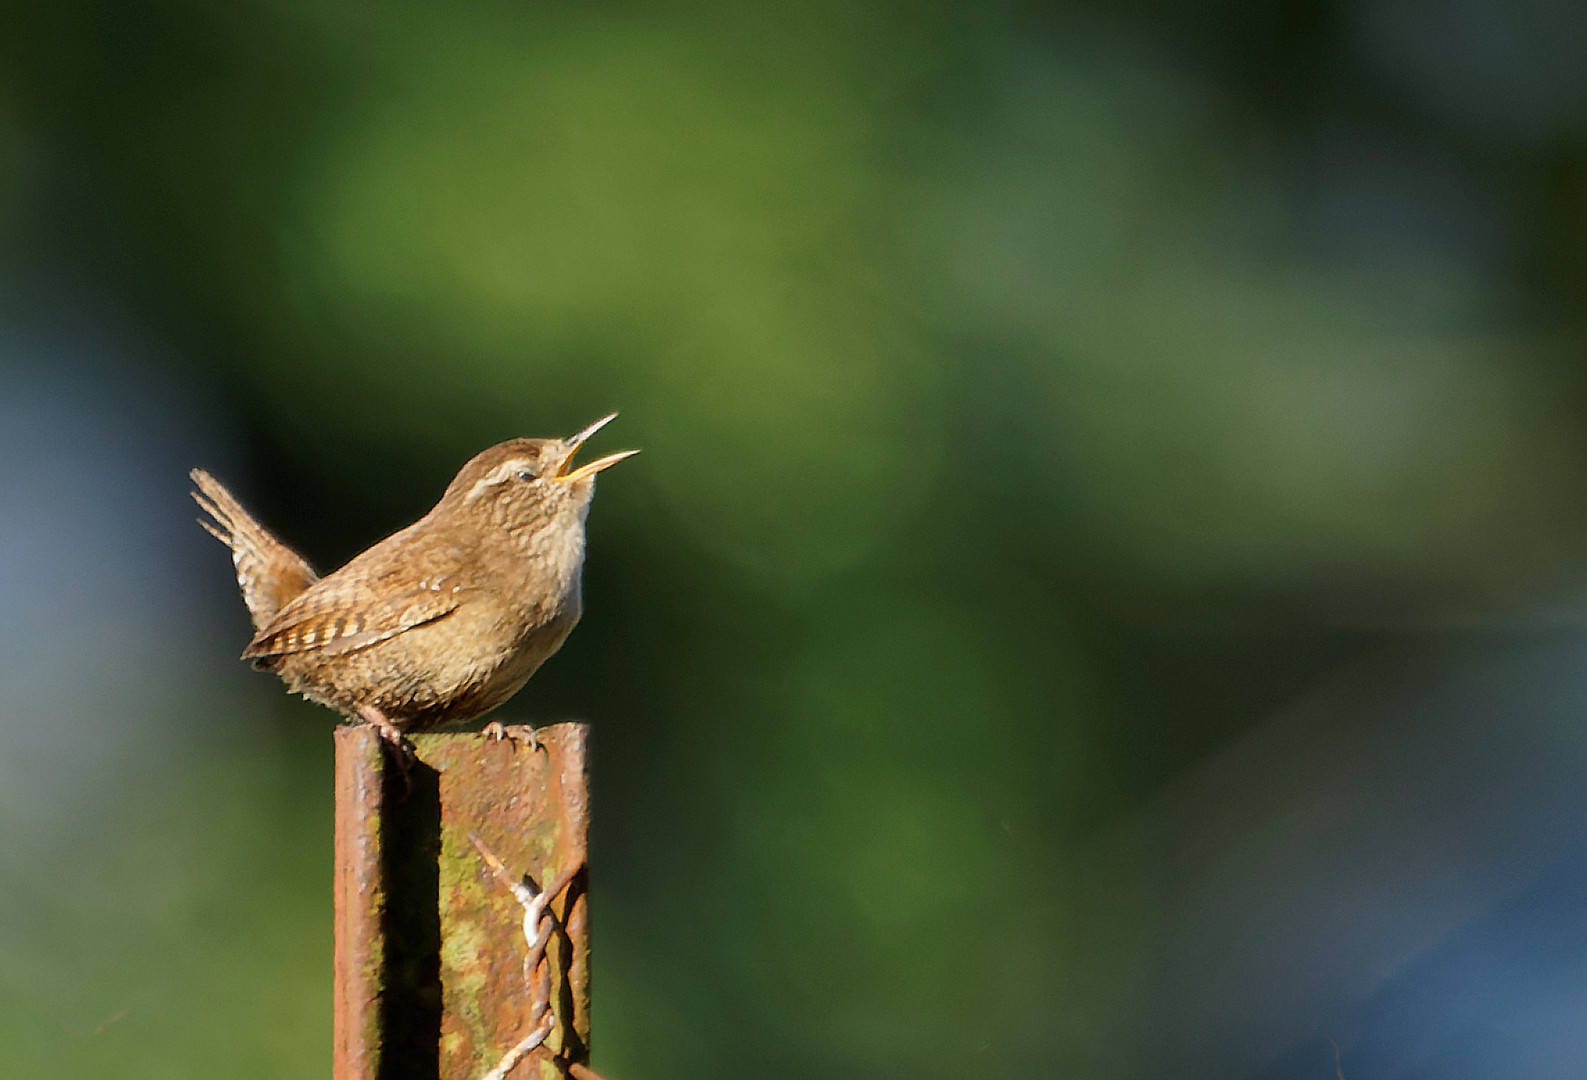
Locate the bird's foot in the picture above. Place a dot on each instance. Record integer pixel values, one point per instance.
(514, 733)
(392, 741)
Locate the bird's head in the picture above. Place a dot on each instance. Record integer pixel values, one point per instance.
(526, 482)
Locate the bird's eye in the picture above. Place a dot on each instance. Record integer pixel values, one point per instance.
(526, 473)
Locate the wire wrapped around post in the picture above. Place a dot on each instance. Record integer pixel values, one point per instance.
(430, 949)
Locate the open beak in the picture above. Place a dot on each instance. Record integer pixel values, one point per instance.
(590, 469)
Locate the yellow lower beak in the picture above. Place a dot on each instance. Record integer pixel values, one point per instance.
(595, 466)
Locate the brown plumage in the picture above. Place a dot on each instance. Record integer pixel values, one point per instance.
(268, 572)
(442, 621)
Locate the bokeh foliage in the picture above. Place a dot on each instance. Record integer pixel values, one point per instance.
(1032, 398)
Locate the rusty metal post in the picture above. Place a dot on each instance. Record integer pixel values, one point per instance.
(430, 981)
(359, 901)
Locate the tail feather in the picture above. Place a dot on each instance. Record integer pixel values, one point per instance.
(269, 573)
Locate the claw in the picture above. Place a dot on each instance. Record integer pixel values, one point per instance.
(391, 740)
(514, 733)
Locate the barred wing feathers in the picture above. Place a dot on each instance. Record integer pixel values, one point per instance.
(336, 618)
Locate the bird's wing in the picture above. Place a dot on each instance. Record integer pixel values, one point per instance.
(269, 573)
(337, 617)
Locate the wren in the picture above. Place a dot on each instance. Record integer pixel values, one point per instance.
(440, 622)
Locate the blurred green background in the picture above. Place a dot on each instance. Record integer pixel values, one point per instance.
(1101, 596)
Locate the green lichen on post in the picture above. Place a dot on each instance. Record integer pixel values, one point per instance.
(516, 798)
(468, 946)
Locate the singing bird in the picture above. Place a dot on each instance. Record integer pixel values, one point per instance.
(442, 621)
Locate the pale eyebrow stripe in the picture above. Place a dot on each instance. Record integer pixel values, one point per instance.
(496, 476)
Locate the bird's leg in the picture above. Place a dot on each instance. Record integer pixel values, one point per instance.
(383, 726)
(515, 733)
(396, 747)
